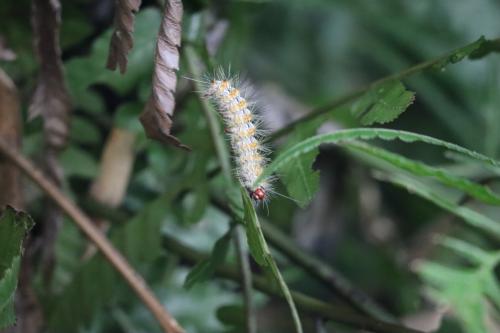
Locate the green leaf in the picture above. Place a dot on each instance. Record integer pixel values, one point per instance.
(206, 268)
(232, 315)
(470, 216)
(364, 134)
(235, 202)
(256, 241)
(85, 71)
(14, 226)
(74, 30)
(84, 131)
(461, 53)
(489, 46)
(69, 248)
(477, 191)
(260, 252)
(139, 240)
(383, 103)
(454, 286)
(467, 289)
(474, 254)
(127, 117)
(194, 204)
(300, 180)
(78, 162)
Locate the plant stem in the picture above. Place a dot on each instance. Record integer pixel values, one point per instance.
(224, 161)
(194, 66)
(246, 278)
(325, 274)
(360, 91)
(304, 302)
(114, 257)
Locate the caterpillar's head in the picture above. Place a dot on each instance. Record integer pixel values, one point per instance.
(259, 194)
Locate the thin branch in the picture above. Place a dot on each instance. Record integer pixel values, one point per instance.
(115, 258)
(246, 278)
(304, 302)
(360, 91)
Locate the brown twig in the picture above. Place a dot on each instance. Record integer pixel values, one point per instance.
(115, 258)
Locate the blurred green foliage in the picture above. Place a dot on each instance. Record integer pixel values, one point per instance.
(313, 52)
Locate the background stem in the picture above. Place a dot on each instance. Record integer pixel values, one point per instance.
(304, 302)
(246, 278)
(115, 258)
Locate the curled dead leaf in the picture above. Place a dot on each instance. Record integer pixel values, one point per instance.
(157, 115)
(122, 40)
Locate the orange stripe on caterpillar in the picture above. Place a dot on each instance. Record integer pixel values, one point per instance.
(234, 93)
(241, 120)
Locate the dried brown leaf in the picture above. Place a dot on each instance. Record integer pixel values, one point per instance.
(51, 99)
(157, 115)
(122, 40)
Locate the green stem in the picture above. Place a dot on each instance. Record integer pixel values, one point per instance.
(325, 274)
(195, 68)
(360, 91)
(286, 293)
(331, 278)
(306, 303)
(246, 278)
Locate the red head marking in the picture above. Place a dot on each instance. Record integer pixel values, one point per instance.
(259, 194)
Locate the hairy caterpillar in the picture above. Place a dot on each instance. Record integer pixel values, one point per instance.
(242, 128)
